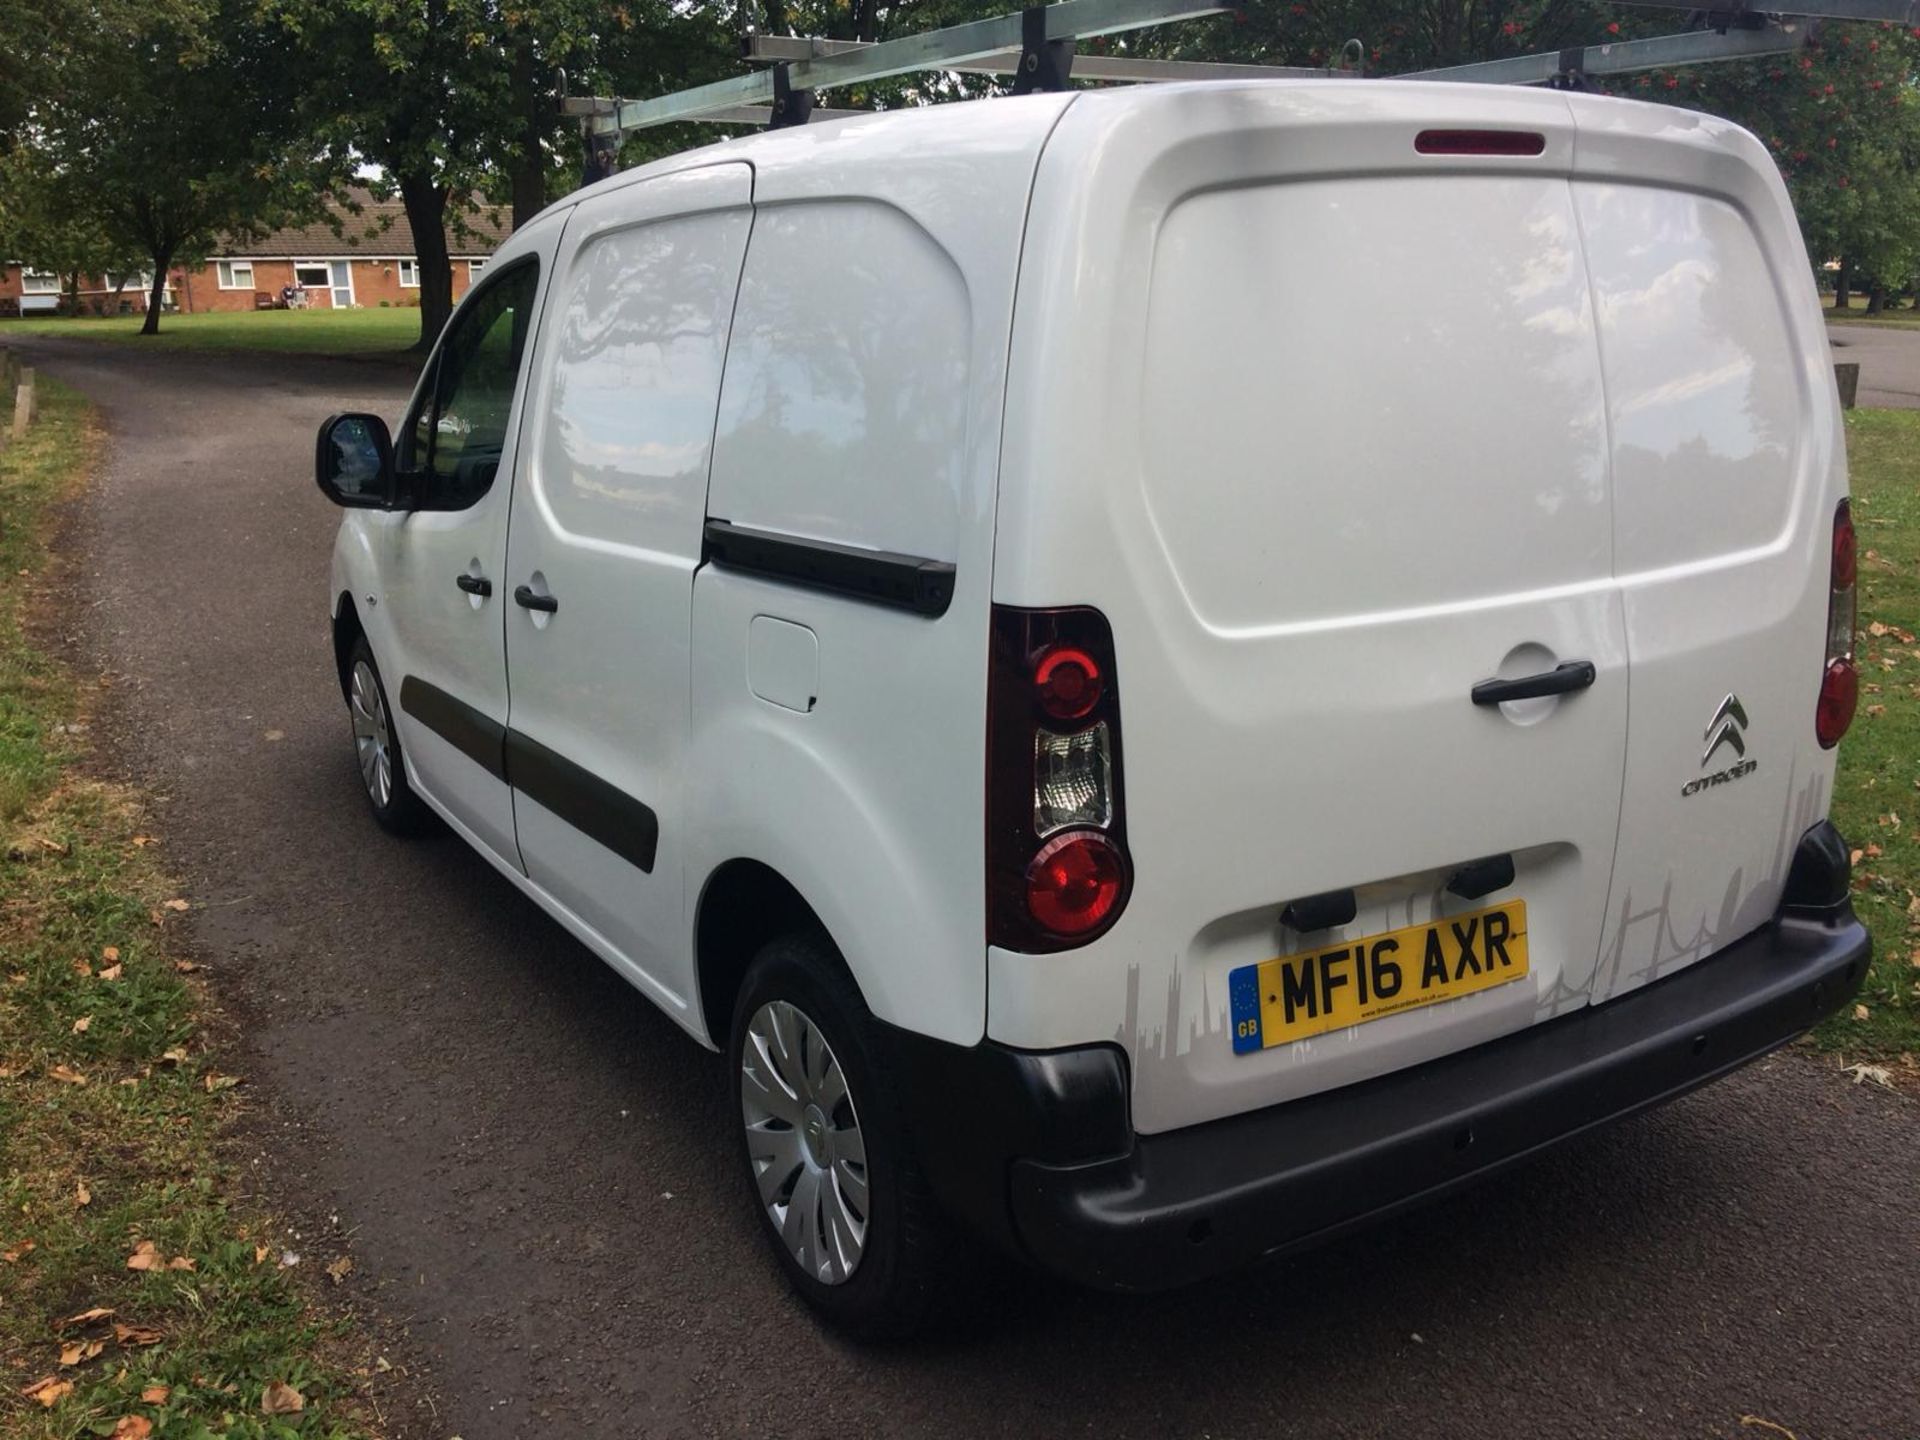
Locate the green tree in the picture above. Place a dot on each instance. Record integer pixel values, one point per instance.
(165, 139)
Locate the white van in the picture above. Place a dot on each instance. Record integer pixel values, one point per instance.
(1168, 670)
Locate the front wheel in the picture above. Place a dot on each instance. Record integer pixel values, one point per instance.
(376, 748)
(848, 1215)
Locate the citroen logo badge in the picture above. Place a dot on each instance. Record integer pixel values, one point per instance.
(1728, 727)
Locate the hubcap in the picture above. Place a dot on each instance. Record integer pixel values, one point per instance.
(370, 739)
(804, 1141)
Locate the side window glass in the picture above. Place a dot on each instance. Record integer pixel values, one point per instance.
(461, 428)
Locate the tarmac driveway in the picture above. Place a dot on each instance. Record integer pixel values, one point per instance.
(531, 1168)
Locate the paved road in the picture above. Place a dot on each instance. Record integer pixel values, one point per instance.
(533, 1166)
(1889, 362)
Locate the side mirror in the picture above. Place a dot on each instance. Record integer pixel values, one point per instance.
(353, 462)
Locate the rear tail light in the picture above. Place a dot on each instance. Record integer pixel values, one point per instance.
(1840, 682)
(1479, 142)
(1057, 867)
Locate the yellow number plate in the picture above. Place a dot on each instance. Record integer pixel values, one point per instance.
(1295, 996)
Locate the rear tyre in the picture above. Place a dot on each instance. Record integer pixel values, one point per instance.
(376, 748)
(829, 1166)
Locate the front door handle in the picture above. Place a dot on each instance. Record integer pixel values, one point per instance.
(474, 585)
(1561, 680)
(524, 597)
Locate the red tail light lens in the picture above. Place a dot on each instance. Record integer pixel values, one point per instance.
(1067, 682)
(1839, 693)
(1074, 883)
(1057, 866)
(1846, 548)
(1840, 681)
(1479, 142)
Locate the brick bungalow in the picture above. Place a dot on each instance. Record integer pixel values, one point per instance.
(369, 261)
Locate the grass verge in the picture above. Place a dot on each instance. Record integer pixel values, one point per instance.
(1905, 318)
(305, 332)
(1876, 799)
(139, 1294)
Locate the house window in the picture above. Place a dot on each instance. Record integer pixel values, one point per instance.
(312, 274)
(410, 274)
(475, 269)
(39, 282)
(235, 274)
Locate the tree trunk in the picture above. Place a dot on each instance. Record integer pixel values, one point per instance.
(529, 176)
(426, 205)
(1876, 299)
(1843, 285)
(72, 298)
(113, 300)
(161, 260)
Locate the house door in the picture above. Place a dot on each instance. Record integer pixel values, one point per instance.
(342, 283)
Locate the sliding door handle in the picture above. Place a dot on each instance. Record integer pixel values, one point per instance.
(524, 597)
(1562, 680)
(474, 585)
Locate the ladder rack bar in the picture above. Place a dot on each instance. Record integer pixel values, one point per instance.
(771, 49)
(935, 50)
(1665, 52)
(1898, 12)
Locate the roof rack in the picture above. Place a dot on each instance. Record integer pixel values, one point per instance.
(1036, 46)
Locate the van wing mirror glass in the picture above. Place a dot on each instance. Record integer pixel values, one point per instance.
(353, 462)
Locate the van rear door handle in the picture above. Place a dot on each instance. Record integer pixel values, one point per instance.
(524, 597)
(1561, 680)
(474, 585)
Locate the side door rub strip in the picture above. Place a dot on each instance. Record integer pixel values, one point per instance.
(601, 812)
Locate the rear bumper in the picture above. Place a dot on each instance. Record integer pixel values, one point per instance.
(1155, 1211)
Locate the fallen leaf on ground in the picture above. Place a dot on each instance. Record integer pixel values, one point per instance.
(10, 1256)
(83, 969)
(54, 845)
(67, 1075)
(155, 1395)
(220, 1082)
(85, 1317)
(276, 734)
(50, 1391)
(110, 953)
(83, 1196)
(132, 1427)
(78, 1352)
(180, 1262)
(1874, 852)
(142, 841)
(112, 972)
(340, 1269)
(175, 1056)
(175, 905)
(280, 1398)
(145, 1257)
(136, 1334)
(1876, 709)
(185, 967)
(260, 1253)
(1878, 1074)
(1860, 1012)
(81, 1025)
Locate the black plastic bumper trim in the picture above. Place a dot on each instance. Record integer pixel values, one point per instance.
(1185, 1204)
(907, 582)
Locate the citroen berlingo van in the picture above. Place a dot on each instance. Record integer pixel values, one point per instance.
(1167, 671)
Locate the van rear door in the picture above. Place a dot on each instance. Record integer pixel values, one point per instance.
(1325, 438)
(1727, 468)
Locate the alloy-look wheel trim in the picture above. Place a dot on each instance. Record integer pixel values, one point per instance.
(803, 1140)
(372, 743)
